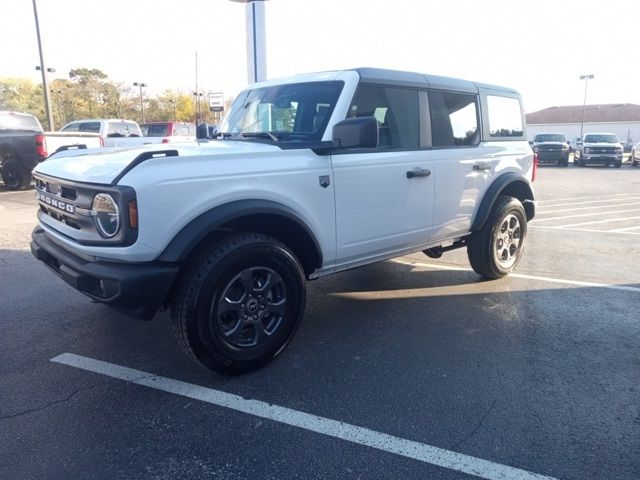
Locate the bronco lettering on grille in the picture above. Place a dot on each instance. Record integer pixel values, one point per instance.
(54, 202)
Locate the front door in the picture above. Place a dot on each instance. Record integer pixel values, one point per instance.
(384, 196)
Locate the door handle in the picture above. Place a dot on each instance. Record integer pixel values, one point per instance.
(418, 172)
(481, 167)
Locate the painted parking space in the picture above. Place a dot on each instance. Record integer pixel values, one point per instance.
(613, 213)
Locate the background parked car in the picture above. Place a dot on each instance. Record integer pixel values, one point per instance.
(634, 156)
(551, 148)
(115, 132)
(23, 144)
(598, 148)
(169, 132)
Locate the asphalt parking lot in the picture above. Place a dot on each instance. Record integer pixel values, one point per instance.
(410, 368)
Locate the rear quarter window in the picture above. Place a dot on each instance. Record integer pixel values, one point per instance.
(505, 117)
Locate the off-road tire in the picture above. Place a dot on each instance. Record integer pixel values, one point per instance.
(201, 298)
(14, 176)
(483, 244)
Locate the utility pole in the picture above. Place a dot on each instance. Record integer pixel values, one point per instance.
(140, 85)
(43, 70)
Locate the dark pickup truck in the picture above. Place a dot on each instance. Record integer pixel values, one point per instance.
(551, 148)
(23, 144)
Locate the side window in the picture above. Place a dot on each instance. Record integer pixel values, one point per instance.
(505, 117)
(74, 127)
(397, 111)
(454, 119)
(115, 130)
(93, 127)
(132, 129)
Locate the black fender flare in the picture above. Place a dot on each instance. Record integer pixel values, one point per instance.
(493, 192)
(187, 239)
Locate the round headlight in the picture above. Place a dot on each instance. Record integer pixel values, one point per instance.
(535, 149)
(106, 215)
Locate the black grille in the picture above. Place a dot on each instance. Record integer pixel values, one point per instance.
(604, 150)
(550, 148)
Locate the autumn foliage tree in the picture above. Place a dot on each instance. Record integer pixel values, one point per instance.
(89, 93)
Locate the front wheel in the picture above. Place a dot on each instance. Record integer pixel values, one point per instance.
(238, 303)
(496, 249)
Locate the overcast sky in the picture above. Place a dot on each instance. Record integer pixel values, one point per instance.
(539, 47)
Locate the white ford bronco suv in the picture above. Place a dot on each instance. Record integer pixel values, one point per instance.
(307, 176)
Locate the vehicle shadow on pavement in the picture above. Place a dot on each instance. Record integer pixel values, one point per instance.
(388, 347)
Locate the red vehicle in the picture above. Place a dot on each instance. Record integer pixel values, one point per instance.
(169, 132)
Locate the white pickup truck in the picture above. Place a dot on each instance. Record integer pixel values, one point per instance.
(23, 144)
(308, 176)
(114, 132)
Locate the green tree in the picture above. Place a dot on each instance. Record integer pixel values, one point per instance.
(21, 95)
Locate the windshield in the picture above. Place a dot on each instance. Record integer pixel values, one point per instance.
(550, 137)
(601, 138)
(93, 127)
(297, 111)
(155, 130)
(19, 121)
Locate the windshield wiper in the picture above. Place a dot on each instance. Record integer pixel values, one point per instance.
(223, 135)
(270, 135)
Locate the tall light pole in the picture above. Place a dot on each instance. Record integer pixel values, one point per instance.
(45, 83)
(140, 85)
(586, 79)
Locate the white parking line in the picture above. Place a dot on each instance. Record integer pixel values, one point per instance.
(625, 230)
(592, 214)
(587, 208)
(326, 426)
(564, 281)
(609, 220)
(542, 207)
(583, 198)
(588, 230)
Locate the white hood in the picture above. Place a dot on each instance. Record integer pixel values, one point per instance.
(103, 165)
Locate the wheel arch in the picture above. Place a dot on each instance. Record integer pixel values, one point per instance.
(510, 184)
(257, 216)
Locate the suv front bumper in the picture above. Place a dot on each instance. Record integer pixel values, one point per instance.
(137, 289)
(600, 158)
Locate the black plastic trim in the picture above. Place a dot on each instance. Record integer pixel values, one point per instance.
(492, 194)
(200, 227)
(141, 158)
(137, 289)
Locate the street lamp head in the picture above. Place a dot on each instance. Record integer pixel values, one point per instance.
(585, 77)
(49, 69)
(139, 84)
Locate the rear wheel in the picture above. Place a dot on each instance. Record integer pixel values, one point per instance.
(238, 303)
(495, 250)
(14, 176)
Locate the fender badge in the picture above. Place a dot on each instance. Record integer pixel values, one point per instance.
(324, 181)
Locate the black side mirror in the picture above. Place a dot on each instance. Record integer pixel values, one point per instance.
(531, 142)
(202, 131)
(358, 132)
